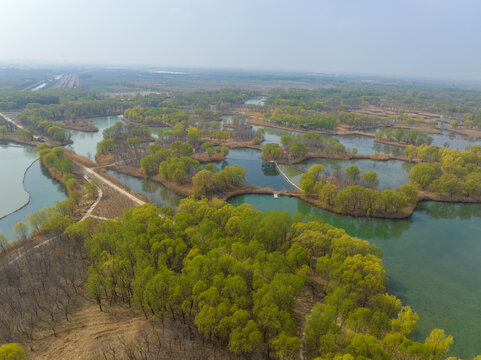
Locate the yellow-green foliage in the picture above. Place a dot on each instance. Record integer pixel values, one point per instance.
(12, 351)
(234, 273)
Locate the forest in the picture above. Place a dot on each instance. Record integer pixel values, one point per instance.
(236, 274)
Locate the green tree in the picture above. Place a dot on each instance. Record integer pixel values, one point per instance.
(20, 230)
(12, 351)
(287, 347)
(297, 150)
(370, 178)
(424, 173)
(353, 173)
(438, 343)
(271, 151)
(406, 321)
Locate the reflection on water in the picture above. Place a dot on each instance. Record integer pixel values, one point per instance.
(269, 169)
(85, 143)
(45, 192)
(152, 190)
(14, 160)
(432, 260)
(391, 174)
(364, 144)
(258, 171)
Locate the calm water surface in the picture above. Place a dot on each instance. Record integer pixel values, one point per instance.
(14, 160)
(85, 143)
(258, 171)
(364, 144)
(45, 192)
(259, 100)
(432, 260)
(152, 190)
(391, 174)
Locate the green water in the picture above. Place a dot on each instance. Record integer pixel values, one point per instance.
(364, 144)
(432, 260)
(391, 174)
(258, 172)
(14, 160)
(152, 190)
(44, 190)
(85, 143)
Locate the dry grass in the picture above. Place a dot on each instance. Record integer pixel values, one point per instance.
(87, 333)
(120, 333)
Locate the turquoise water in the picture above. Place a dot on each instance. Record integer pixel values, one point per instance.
(44, 190)
(432, 260)
(391, 174)
(152, 190)
(14, 160)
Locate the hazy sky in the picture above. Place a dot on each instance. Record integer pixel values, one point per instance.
(431, 38)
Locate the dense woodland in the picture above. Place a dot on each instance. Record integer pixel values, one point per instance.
(401, 97)
(447, 172)
(14, 100)
(357, 199)
(235, 274)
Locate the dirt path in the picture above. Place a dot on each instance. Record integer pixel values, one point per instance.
(96, 175)
(11, 121)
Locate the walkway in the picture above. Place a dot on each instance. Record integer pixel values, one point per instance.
(286, 177)
(11, 121)
(111, 184)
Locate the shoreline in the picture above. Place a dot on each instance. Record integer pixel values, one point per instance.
(25, 189)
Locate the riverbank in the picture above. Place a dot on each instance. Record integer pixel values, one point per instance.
(186, 190)
(84, 125)
(19, 140)
(336, 131)
(25, 189)
(470, 134)
(345, 156)
(159, 124)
